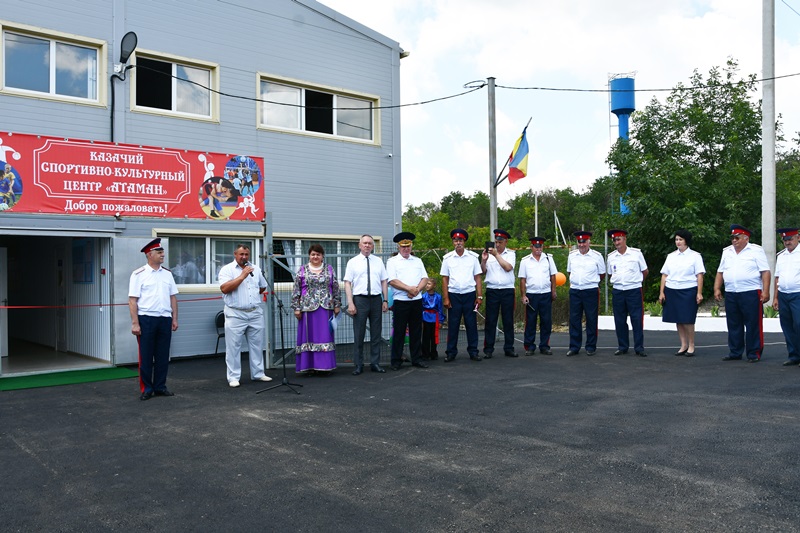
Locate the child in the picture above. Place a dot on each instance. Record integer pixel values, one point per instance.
(432, 317)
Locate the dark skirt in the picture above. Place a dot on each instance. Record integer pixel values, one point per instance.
(680, 305)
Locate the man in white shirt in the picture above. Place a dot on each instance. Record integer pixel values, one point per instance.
(628, 270)
(241, 284)
(153, 306)
(408, 278)
(586, 270)
(461, 294)
(787, 291)
(366, 288)
(745, 271)
(537, 287)
(498, 263)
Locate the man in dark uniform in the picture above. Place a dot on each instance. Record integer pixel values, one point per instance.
(787, 292)
(154, 316)
(744, 270)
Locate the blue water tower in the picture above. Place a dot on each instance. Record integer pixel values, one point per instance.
(622, 104)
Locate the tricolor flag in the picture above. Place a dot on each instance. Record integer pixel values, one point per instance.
(518, 160)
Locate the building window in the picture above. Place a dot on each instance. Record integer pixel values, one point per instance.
(293, 253)
(198, 260)
(175, 87)
(57, 68)
(304, 109)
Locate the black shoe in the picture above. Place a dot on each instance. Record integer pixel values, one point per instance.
(511, 354)
(146, 396)
(572, 352)
(434, 357)
(449, 358)
(420, 364)
(590, 353)
(395, 367)
(620, 352)
(377, 368)
(732, 358)
(641, 354)
(487, 356)
(546, 351)
(214, 214)
(689, 354)
(358, 370)
(475, 357)
(790, 363)
(530, 352)
(753, 360)
(682, 352)
(164, 392)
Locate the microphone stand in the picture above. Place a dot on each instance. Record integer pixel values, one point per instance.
(285, 381)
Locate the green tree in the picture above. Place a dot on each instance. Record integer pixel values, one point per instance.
(691, 162)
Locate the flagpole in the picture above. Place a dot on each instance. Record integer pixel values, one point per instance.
(492, 161)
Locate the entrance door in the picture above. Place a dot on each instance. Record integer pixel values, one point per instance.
(3, 303)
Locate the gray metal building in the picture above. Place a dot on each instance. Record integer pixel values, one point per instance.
(291, 81)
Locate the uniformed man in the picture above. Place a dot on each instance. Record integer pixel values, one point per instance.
(628, 270)
(586, 270)
(537, 287)
(498, 263)
(745, 271)
(153, 306)
(407, 276)
(462, 294)
(787, 289)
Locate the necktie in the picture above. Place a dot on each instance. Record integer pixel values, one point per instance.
(369, 280)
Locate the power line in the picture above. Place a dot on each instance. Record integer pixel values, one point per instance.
(790, 7)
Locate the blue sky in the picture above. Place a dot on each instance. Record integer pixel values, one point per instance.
(568, 44)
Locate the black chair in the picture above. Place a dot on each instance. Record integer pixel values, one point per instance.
(219, 321)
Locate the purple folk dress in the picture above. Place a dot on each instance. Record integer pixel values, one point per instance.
(315, 295)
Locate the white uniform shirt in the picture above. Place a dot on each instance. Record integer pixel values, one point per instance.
(787, 270)
(585, 269)
(153, 288)
(409, 271)
(626, 270)
(247, 295)
(496, 277)
(356, 273)
(537, 273)
(461, 271)
(742, 271)
(682, 269)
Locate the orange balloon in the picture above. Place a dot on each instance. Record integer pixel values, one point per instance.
(560, 279)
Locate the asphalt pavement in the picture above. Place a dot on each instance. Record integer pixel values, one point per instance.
(539, 443)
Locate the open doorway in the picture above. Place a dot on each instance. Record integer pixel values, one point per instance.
(56, 299)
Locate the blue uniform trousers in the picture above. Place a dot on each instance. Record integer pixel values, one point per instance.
(462, 305)
(499, 301)
(744, 313)
(583, 301)
(406, 314)
(789, 306)
(539, 306)
(629, 303)
(154, 345)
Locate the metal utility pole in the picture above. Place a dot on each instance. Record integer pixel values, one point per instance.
(492, 162)
(768, 221)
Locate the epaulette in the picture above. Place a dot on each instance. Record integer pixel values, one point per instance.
(779, 253)
(755, 245)
(168, 270)
(635, 249)
(139, 271)
(473, 254)
(729, 247)
(576, 251)
(448, 254)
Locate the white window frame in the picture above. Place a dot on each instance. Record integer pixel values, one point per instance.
(56, 37)
(254, 238)
(214, 75)
(335, 92)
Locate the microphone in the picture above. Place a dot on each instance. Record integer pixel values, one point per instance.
(249, 264)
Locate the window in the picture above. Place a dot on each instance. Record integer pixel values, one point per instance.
(304, 109)
(292, 253)
(59, 68)
(187, 257)
(175, 87)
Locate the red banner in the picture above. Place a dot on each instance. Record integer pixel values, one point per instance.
(75, 177)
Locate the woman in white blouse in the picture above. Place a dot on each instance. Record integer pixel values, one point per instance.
(682, 290)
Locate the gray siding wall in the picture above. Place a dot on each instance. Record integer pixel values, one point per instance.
(312, 185)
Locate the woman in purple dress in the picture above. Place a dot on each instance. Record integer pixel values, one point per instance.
(315, 301)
